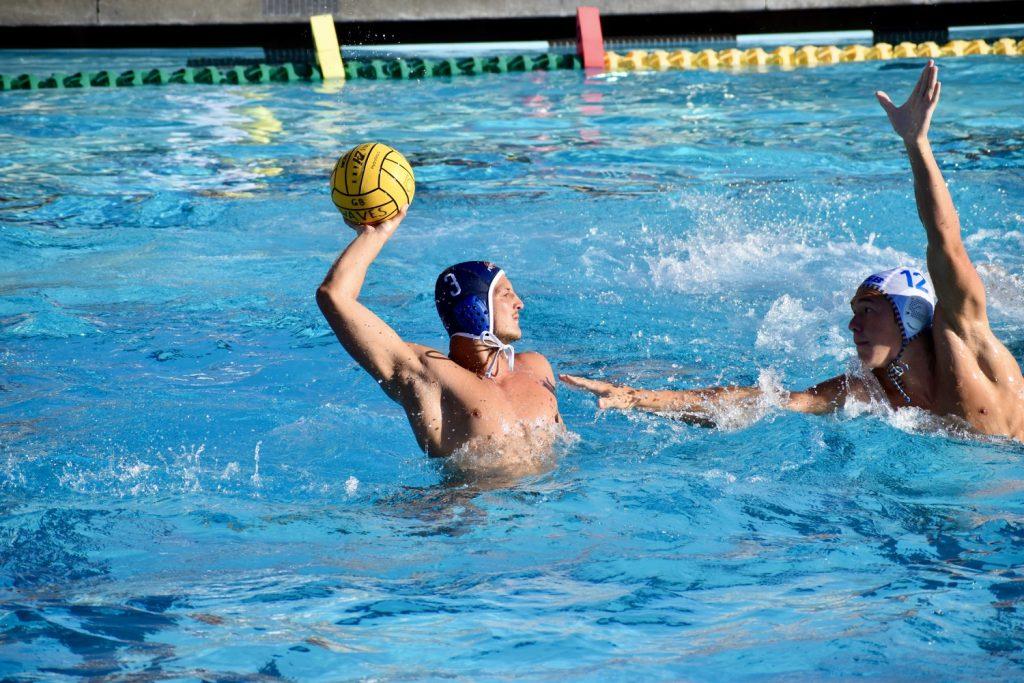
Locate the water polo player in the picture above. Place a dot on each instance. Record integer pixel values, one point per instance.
(482, 400)
(929, 348)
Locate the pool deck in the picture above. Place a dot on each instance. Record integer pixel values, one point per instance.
(232, 12)
(284, 24)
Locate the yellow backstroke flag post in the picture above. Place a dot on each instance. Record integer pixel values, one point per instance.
(325, 42)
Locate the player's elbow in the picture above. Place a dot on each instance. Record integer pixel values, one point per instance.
(328, 299)
(323, 297)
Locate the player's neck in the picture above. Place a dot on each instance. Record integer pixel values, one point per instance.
(918, 378)
(477, 357)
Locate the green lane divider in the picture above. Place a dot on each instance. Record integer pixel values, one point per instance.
(372, 69)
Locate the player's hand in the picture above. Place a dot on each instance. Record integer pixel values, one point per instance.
(608, 394)
(911, 121)
(384, 228)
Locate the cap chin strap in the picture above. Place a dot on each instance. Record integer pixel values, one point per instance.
(896, 369)
(490, 340)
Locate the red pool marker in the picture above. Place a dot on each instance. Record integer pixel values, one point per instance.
(589, 41)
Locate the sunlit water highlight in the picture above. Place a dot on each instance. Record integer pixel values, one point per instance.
(197, 482)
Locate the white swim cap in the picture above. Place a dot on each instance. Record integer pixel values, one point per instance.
(911, 296)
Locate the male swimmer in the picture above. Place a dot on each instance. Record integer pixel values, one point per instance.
(928, 348)
(482, 398)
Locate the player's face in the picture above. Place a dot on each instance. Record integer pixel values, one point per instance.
(875, 331)
(507, 305)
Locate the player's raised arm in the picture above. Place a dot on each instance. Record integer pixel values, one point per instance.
(367, 338)
(958, 287)
(696, 405)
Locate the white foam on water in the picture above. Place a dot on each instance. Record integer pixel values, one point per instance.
(351, 486)
(191, 467)
(821, 272)
(791, 329)
(720, 475)
(911, 420)
(733, 248)
(123, 476)
(12, 475)
(230, 470)
(728, 414)
(979, 238)
(1004, 290)
(524, 449)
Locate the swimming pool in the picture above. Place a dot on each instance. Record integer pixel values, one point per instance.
(196, 481)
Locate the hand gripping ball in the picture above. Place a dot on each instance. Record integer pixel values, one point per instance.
(370, 182)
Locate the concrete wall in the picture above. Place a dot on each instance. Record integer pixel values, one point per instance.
(212, 12)
(49, 13)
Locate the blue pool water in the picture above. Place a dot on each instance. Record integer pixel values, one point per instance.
(197, 483)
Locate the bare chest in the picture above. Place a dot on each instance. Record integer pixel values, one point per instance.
(494, 405)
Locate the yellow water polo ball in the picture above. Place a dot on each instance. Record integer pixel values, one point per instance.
(370, 182)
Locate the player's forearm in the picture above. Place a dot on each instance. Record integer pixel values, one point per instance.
(934, 203)
(367, 338)
(690, 400)
(821, 399)
(345, 278)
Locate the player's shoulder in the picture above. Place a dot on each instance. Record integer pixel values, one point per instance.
(435, 368)
(421, 349)
(833, 393)
(977, 338)
(534, 361)
(532, 357)
(856, 386)
(431, 358)
(972, 330)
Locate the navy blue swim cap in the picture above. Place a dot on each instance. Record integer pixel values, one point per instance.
(464, 294)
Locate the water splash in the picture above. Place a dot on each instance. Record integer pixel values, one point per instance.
(721, 261)
(257, 481)
(524, 449)
(791, 329)
(351, 486)
(733, 414)
(231, 470)
(191, 467)
(909, 419)
(1004, 290)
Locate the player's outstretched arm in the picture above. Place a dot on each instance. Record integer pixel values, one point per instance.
(695, 405)
(368, 339)
(957, 285)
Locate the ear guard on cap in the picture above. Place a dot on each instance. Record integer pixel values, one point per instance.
(911, 296)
